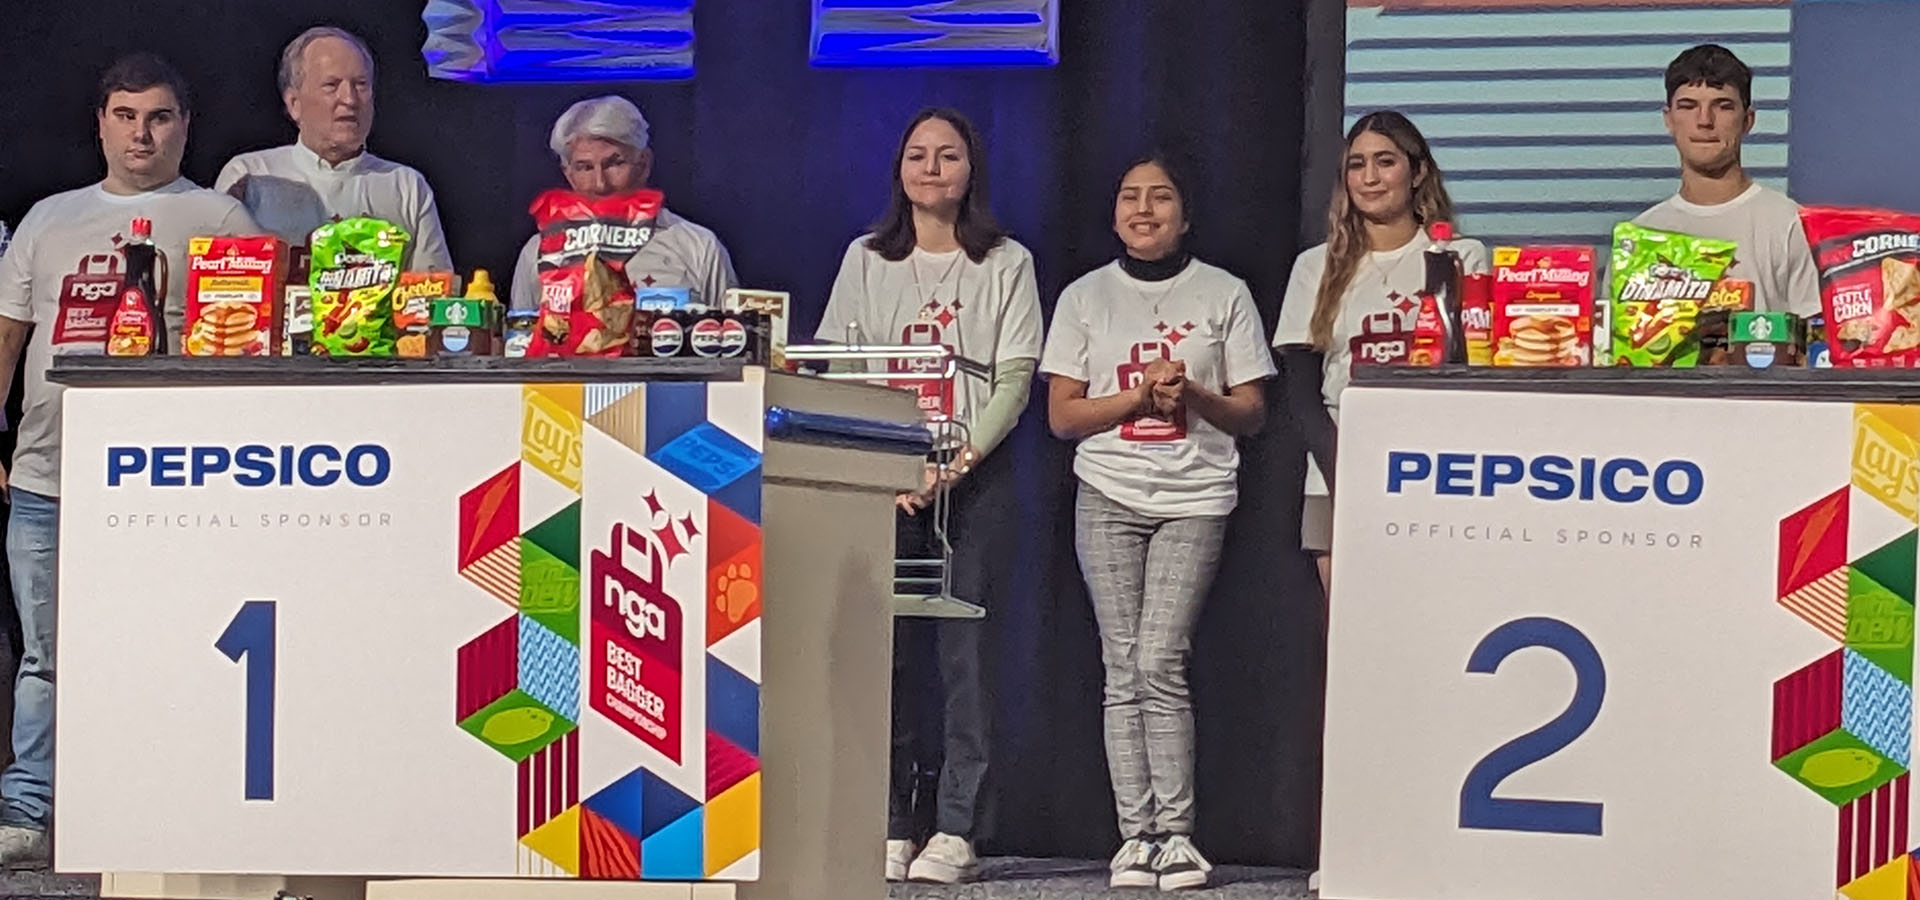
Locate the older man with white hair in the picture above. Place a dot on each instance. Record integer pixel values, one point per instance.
(602, 146)
(326, 81)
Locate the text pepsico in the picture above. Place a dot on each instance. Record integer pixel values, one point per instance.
(251, 465)
(1675, 482)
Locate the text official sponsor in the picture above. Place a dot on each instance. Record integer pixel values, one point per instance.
(161, 470)
(1588, 486)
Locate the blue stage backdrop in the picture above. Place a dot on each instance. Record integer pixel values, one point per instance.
(788, 161)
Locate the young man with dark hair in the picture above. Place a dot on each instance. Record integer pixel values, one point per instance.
(1709, 111)
(53, 300)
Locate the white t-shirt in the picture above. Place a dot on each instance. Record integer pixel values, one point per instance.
(291, 191)
(988, 312)
(65, 245)
(680, 254)
(1107, 326)
(1385, 279)
(1773, 252)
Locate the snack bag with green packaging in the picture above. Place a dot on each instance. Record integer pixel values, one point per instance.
(356, 267)
(1660, 281)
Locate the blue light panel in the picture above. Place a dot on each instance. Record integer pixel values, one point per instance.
(559, 40)
(938, 33)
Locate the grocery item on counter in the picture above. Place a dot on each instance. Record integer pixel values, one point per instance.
(1389, 338)
(586, 301)
(236, 296)
(297, 335)
(1443, 288)
(517, 332)
(138, 326)
(1818, 356)
(1762, 340)
(460, 326)
(1869, 261)
(413, 308)
(1542, 306)
(662, 298)
(480, 287)
(772, 307)
(1661, 281)
(356, 268)
(1476, 317)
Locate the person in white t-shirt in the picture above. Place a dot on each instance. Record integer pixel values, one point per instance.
(938, 269)
(56, 284)
(1155, 364)
(1373, 262)
(1709, 111)
(603, 148)
(326, 81)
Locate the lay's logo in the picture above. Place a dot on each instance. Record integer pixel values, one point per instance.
(1885, 454)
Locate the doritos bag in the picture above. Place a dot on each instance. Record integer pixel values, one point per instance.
(586, 301)
(1869, 262)
(1661, 281)
(356, 266)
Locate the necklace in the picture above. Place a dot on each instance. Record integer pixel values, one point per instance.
(929, 301)
(1153, 299)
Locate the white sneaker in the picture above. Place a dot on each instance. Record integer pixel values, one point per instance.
(899, 856)
(1180, 865)
(23, 848)
(1133, 865)
(948, 859)
(1313, 882)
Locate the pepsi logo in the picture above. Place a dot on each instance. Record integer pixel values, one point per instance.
(668, 337)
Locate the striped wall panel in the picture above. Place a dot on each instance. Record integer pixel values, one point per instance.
(1546, 118)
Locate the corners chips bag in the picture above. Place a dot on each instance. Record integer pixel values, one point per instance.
(1661, 281)
(586, 300)
(1869, 261)
(356, 266)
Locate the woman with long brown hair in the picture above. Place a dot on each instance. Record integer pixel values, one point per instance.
(938, 269)
(1390, 191)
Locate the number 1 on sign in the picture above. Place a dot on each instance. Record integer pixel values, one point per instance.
(251, 634)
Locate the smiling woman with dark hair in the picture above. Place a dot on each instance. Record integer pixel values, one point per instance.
(937, 269)
(1155, 364)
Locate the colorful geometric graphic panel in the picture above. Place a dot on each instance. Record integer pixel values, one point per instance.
(1843, 725)
(1878, 709)
(559, 40)
(1813, 542)
(659, 569)
(1879, 625)
(1873, 832)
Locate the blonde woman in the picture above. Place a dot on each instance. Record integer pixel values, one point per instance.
(1390, 190)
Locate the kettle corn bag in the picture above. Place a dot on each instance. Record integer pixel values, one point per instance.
(1869, 261)
(356, 267)
(1661, 280)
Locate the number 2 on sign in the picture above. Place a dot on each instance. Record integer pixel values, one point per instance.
(1479, 808)
(252, 634)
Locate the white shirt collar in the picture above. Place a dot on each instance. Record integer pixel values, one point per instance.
(312, 160)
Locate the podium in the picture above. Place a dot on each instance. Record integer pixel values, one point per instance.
(539, 629)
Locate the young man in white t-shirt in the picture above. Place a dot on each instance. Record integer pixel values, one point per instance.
(1709, 111)
(51, 286)
(602, 144)
(326, 81)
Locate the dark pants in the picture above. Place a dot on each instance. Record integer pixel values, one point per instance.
(940, 703)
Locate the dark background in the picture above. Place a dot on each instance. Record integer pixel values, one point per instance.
(787, 163)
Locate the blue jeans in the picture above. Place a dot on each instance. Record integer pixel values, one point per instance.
(33, 536)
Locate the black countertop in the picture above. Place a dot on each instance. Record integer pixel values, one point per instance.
(164, 371)
(1859, 385)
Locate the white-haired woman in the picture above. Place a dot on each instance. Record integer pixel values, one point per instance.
(603, 150)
